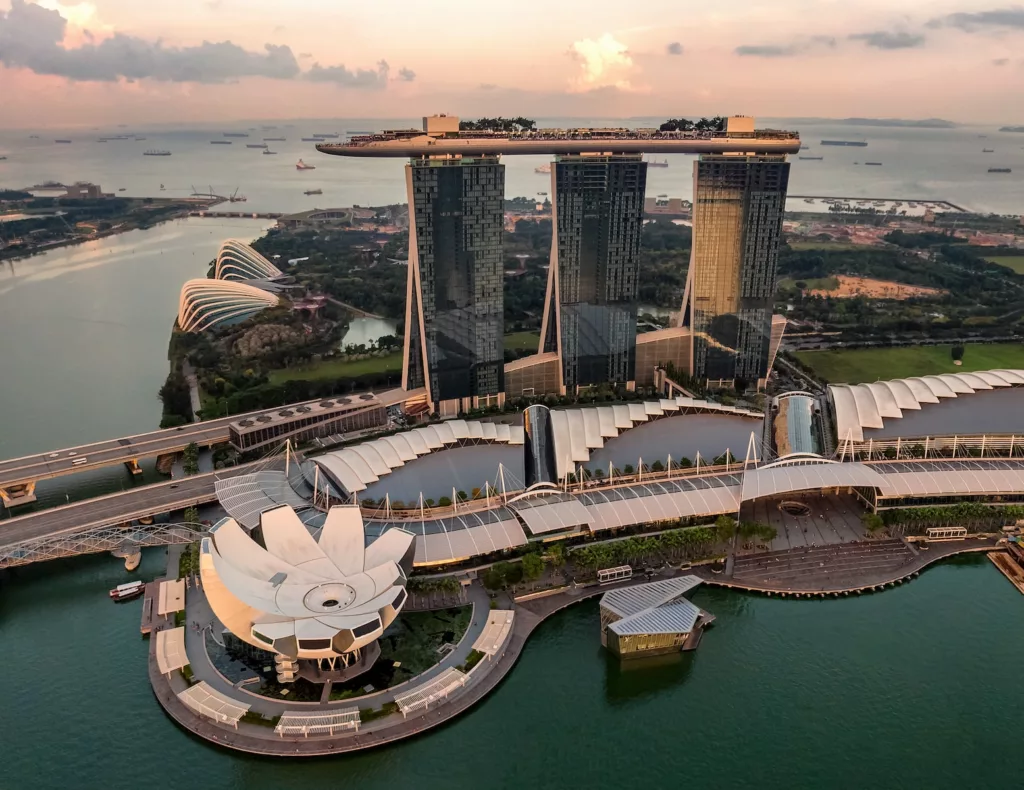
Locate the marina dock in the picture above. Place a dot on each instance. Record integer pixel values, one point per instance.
(1011, 563)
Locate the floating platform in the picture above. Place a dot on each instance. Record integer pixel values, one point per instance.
(1009, 567)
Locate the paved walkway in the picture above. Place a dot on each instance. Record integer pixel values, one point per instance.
(197, 610)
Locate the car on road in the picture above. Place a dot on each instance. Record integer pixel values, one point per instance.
(54, 455)
(175, 486)
(72, 453)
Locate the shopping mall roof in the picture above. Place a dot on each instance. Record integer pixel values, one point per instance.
(664, 500)
(578, 431)
(951, 478)
(551, 513)
(860, 407)
(458, 537)
(812, 476)
(356, 467)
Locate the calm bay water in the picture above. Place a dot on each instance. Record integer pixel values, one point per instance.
(917, 163)
(913, 687)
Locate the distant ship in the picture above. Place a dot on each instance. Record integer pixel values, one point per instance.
(255, 145)
(2, 157)
(875, 164)
(236, 134)
(854, 143)
(162, 187)
(543, 169)
(125, 592)
(122, 189)
(33, 137)
(999, 170)
(326, 136)
(303, 166)
(657, 163)
(139, 139)
(805, 147)
(311, 139)
(274, 139)
(268, 152)
(156, 153)
(62, 141)
(983, 150)
(220, 142)
(812, 158)
(313, 192)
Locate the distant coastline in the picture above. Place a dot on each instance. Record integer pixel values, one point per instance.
(900, 123)
(1012, 129)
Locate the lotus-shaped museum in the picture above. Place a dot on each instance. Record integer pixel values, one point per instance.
(304, 597)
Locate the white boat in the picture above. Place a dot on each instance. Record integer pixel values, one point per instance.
(124, 592)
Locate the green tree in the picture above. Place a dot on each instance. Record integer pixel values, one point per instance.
(191, 515)
(533, 567)
(725, 526)
(957, 352)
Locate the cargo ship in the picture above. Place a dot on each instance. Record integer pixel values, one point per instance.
(313, 192)
(988, 150)
(62, 141)
(236, 134)
(156, 153)
(220, 142)
(255, 145)
(812, 158)
(874, 164)
(311, 140)
(268, 152)
(274, 139)
(326, 136)
(999, 170)
(300, 165)
(853, 143)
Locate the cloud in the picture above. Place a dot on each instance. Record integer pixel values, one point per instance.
(768, 50)
(354, 78)
(883, 39)
(488, 86)
(36, 38)
(786, 50)
(675, 48)
(406, 75)
(1000, 61)
(604, 63)
(971, 22)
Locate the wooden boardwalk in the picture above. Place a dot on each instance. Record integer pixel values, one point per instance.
(1009, 568)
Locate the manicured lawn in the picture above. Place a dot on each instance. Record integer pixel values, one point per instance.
(854, 366)
(338, 369)
(1015, 262)
(522, 341)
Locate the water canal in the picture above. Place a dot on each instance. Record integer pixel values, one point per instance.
(913, 687)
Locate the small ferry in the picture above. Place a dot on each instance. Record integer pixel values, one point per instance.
(156, 153)
(62, 141)
(125, 592)
(122, 189)
(983, 150)
(300, 165)
(313, 192)
(268, 152)
(220, 142)
(1000, 170)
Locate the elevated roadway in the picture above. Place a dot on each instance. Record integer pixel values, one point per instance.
(18, 476)
(115, 509)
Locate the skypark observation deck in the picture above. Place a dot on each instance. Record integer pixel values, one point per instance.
(416, 143)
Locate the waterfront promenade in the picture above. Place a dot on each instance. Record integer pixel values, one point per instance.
(530, 612)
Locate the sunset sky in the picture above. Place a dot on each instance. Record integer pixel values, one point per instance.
(155, 61)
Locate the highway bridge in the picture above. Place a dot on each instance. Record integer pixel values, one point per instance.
(101, 524)
(18, 476)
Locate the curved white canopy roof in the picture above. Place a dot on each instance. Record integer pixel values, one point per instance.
(237, 260)
(357, 467)
(205, 303)
(578, 431)
(860, 406)
(302, 597)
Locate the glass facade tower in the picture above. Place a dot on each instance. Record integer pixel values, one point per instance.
(738, 206)
(455, 302)
(590, 310)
